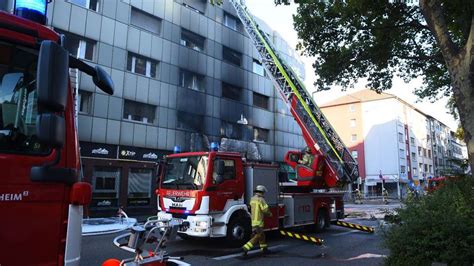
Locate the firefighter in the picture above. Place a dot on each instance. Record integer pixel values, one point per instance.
(385, 196)
(308, 158)
(258, 209)
(358, 196)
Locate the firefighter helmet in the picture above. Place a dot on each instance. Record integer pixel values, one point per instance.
(261, 188)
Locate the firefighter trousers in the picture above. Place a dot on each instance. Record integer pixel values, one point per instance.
(257, 237)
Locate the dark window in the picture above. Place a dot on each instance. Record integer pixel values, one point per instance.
(79, 46)
(231, 92)
(189, 121)
(230, 21)
(84, 99)
(231, 56)
(258, 68)
(198, 6)
(141, 65)
(105, 183)
(90, 4)
(139, 186)
(260, 100)
(140, 112)
(260, 134)
(231, 130)
(191, 80)
(400, 137)
(145, 21)
(192, 40)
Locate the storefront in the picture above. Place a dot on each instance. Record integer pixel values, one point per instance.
(121, 176)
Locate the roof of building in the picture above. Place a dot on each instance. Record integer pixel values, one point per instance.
(367, 95)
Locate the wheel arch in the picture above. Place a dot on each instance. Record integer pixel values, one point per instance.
(236, 211)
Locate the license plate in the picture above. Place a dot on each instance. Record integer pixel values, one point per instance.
(176, 220)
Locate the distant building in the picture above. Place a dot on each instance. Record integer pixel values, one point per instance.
(394, 142)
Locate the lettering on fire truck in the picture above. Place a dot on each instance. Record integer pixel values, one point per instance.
(14, 196)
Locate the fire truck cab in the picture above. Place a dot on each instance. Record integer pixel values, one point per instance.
(41, 196)
(211, 191)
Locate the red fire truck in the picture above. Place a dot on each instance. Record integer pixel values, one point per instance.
(211, 190)
(41, 196)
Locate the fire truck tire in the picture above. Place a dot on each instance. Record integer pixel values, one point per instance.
(322, 222)
(238, 231)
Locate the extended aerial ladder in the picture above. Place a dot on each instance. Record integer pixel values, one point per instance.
(320, 136)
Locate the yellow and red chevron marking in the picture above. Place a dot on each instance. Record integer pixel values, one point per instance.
(355, 226)
(312, 239)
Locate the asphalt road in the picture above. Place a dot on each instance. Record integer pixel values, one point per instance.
(342, 246)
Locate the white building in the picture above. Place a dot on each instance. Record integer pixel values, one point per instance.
(390, 137)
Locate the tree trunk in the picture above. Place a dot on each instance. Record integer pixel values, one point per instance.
(465, 105)
(460, 63)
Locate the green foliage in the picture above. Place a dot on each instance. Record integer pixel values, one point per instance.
(377, 40)
(436, 228)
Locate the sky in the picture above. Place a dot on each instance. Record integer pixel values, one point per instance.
(280, 19)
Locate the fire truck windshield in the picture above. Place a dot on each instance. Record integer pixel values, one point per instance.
(185, 172)
(18, 101)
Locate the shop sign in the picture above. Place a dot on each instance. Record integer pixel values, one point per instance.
(139, 154)
(98, 150)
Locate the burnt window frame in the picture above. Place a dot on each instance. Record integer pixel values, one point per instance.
(230, 56)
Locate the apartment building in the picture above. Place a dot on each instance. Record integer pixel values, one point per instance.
(395, 143)
(185, 74)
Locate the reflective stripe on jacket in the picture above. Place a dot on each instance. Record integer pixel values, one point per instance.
(258, 209)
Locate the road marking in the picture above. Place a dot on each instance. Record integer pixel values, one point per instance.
(367, 256)
(345, 233)
(250, 252)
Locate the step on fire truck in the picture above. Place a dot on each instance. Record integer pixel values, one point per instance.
(41, 196)
(211, 190)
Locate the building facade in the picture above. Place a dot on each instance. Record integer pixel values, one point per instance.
(396, 144)
(185, 74)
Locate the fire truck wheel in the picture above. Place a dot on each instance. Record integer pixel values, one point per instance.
(238, 231)
(321, 223)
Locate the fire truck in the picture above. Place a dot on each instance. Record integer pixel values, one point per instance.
(41, 196)
(212, 190)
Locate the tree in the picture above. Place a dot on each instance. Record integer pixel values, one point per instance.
(380, 39)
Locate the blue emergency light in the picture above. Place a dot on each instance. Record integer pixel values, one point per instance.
(177, 149)
(34, 10)
(214, 146)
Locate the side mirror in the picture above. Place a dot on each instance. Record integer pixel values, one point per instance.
(51, 129)
(99, 76)
(103, 80)
(52, 76)
(159, 171)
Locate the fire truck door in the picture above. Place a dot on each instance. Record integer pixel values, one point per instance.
(226, 188)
